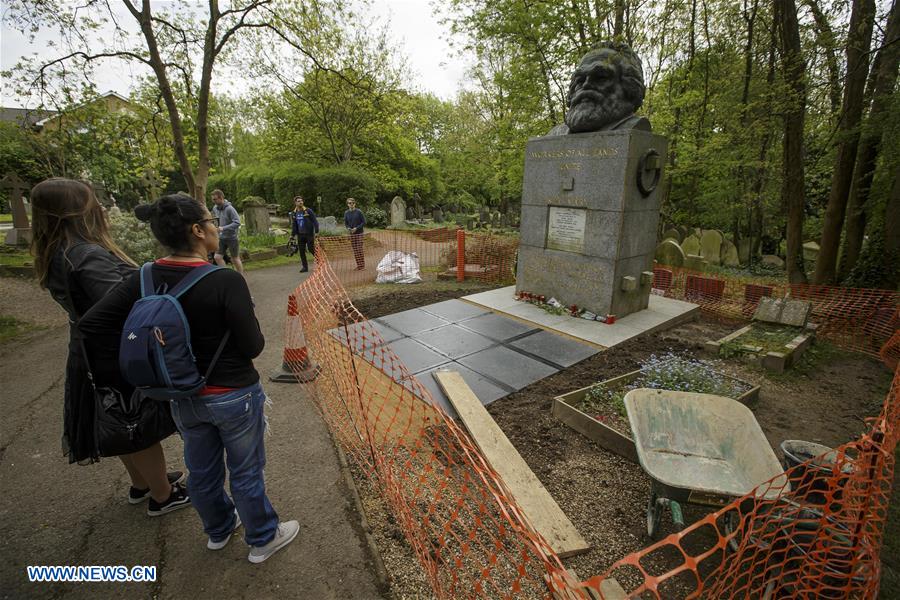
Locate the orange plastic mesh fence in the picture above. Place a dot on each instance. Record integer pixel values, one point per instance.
(355, 260)
(814, 532)
(451, 506)
(862, 320)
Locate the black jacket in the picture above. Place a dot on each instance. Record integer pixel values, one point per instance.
(310, 225)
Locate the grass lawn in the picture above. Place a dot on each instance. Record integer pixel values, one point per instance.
(15, 257)
(6, 218)
(252, 265)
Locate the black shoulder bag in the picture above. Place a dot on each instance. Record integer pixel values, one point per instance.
(124, 425)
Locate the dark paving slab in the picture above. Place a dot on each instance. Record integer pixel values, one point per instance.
(362, 335)
(455, 310)
(497, 327)
(411, 322)
(557, 349)
(486, 390)
(416, 356)
(507, 366)
(454, 341)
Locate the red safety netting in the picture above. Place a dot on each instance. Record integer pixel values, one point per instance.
(862, 320)
(814, 532)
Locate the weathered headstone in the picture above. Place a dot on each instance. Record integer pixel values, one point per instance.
(810, 252)
(330, 225)
(590, 209)
(484, 215)
(694, 262)
(256, 217)
(729, 253)
(795, 313)
(673, 234)
(711, 246)
(437, 213)
(20, 234)
(691, 245)
(470, 223)
(504, 220)
(668, 252)
(772, 260)
(495, 220)
(398, 211)
(769, 310)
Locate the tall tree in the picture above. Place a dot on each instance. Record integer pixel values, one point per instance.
(792, 190)
(173, 43)
(884, 77)
(859, 39)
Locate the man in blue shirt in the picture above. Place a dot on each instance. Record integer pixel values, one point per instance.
(305, 227)
(354, 221)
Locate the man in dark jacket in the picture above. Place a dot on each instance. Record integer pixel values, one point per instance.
(305, 227)
(354, 221)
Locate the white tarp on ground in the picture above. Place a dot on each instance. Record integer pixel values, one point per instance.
(398, 267)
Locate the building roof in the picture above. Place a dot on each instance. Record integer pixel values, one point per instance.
(24, 116)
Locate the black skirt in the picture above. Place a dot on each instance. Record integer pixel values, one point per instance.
(78, 442)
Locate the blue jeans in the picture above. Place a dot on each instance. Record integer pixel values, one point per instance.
(227, 425)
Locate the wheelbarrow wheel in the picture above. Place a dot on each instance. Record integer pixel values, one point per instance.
(654, 513)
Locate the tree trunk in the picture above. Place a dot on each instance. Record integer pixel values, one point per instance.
(619, 24)
(792, 190)
(862, 19)
(826, 40)
(884, 74)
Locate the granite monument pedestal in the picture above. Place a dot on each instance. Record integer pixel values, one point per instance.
(590, 211)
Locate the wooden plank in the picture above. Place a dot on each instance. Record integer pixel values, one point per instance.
(538, 506)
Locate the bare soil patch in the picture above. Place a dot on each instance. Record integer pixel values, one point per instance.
(824, 399)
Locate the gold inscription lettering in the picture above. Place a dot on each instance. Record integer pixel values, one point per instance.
(576, 201)
(575, 153)
(570, 167)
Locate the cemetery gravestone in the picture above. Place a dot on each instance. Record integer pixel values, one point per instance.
(691, 245)
(398, 211)
(437, 214)
(256, 217)
(744, 250)
(729, 254)
(20, 234)
(810, 252)
(795, 313)
(330, 225)
(711, 246)
(694, 262)
(673, 234)
(588, 229)
(772, 260)
(668, 252)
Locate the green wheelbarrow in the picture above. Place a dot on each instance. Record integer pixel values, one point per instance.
(698, 449)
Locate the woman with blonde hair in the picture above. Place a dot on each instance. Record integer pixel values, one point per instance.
(78, 262)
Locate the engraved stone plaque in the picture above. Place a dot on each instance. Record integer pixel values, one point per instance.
(565, 229)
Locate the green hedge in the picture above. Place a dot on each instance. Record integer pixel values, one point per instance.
(281, 182)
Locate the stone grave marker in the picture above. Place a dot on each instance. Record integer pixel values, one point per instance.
(256, 217)
(810, 252)
(330, 225)
(470, 223)
(672, 234)
(691, 245)
(711, 246)
(744, 251)
(437, 213)
(694, 262)
(398, 211)
(772, 260)
(590, 211)
(20, 234)
(729, 253)
(769, 310)
(668, 252)
(795, 313)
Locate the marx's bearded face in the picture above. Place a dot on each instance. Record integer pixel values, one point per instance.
(597, 94)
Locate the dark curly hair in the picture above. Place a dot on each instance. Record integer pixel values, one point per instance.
(171, 218)
(630, 69)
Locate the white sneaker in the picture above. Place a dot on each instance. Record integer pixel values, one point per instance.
(285, 534)
(219, 545)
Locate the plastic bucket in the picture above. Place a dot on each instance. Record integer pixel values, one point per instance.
(813, 479)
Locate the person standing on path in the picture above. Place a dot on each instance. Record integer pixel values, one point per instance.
(354, 221)
(225, 422)
(229, 222)
(77, 261)
(305, 227)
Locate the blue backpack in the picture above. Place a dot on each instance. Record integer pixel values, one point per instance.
(155, 353)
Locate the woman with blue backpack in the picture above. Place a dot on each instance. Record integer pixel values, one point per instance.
(77, 261)
(185, 330)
